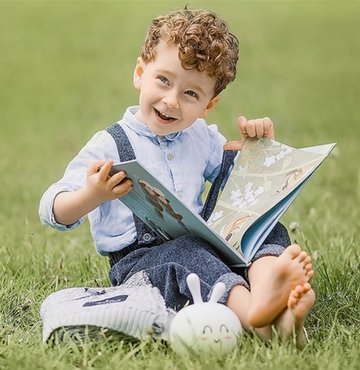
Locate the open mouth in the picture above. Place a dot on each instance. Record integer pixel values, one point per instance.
(164, 116)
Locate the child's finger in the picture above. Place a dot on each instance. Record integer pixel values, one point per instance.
(259, 127)
(117, 178)
(105, 169)
(94, 167)
(242, 121)
(269, 128)
(251, 128)
(123, 188)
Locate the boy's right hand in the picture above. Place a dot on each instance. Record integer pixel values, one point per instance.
(70, 206)
(103, 187)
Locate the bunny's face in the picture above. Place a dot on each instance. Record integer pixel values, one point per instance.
(205, 327)
(218, 335)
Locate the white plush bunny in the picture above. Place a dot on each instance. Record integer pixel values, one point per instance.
(204, 326)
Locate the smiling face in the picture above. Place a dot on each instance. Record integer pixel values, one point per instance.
(171, 97)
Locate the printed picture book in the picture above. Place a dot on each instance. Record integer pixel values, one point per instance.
(264, 181)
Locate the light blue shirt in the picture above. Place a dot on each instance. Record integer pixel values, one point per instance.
(182, 162)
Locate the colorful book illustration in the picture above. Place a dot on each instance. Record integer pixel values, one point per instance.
(265, 179)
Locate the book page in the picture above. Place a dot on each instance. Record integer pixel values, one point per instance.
(264, 173)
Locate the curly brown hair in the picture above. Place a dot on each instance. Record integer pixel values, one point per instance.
(204, 40)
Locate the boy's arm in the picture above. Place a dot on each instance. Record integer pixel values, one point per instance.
(259, 127)
(70, 206)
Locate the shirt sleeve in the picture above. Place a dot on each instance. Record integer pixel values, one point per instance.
(98, 147)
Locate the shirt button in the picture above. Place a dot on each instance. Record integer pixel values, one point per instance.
(146, 237)
(170, 156)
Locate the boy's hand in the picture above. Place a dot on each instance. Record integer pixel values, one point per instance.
(70, 206)
(259, 127)
(103, 187)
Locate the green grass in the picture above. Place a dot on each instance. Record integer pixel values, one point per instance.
(65, 72)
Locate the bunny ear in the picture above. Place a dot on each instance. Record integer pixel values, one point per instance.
(218, 291)
(193, 283)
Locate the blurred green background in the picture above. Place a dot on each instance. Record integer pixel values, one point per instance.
(66, 72)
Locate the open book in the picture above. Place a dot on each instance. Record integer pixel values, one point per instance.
(265, 179)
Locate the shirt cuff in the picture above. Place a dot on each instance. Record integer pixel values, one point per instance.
(46, 212)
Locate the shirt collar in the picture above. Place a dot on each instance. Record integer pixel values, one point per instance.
(140, 128)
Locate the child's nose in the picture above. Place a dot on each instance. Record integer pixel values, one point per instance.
(171, 100)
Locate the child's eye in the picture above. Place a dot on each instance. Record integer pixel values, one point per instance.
(163, 79)
(192, 94)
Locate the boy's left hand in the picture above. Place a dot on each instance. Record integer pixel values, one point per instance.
(259, 127)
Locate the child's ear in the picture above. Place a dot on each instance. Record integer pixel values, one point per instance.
(212, 103)
(138, 71)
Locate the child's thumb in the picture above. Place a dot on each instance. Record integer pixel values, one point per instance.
(234, 145)
(95, 167)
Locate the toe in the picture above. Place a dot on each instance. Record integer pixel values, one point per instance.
(292, 302)
(299, 290)
(293, 251)
(302, 256)
(310, 274)
(306, 287)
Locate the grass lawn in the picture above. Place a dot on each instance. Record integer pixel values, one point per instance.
(66, 72)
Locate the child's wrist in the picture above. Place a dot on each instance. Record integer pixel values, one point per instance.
(90, 196)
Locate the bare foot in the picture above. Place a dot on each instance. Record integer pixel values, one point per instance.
(290, 324)
(272, 279)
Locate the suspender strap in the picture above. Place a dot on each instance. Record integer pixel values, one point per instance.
(145, 235)
(124, 147)
(227, 161)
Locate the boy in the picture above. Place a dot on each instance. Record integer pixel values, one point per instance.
(187, 59)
